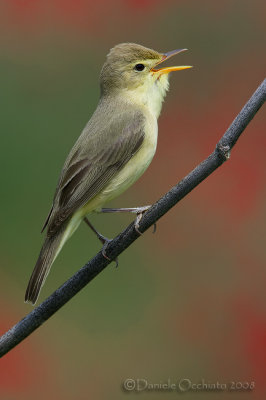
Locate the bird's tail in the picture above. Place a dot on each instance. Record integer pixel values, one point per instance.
(50, 250)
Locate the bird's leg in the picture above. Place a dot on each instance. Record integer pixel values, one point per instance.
(135, 210)
(104, 240)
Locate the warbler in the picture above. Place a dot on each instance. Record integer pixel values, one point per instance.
(112, 152)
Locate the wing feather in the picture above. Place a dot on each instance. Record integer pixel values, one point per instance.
(99, 153)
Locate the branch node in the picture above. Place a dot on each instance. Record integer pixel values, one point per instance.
(223, 151)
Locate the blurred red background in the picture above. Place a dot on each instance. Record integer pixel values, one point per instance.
(187, 302)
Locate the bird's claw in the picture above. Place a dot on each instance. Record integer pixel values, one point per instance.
(105, 242)
(137, 221)
(139, 217)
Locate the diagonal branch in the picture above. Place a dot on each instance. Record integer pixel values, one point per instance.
(69, 289)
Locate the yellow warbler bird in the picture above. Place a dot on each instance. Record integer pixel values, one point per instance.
(112, 152)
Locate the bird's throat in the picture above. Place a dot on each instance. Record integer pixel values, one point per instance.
(150, 95)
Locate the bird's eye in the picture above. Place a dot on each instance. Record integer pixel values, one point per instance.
(139, 67)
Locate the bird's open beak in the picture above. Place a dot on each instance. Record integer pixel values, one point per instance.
(165, 57)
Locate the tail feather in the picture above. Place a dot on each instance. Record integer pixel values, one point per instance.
(49, 251)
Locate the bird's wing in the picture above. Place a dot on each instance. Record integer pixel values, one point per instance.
(94, 160)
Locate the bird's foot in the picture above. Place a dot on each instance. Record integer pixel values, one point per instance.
(105, 241)
(135, 210)
(140, 211)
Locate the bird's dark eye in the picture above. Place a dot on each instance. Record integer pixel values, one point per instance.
(139, 67)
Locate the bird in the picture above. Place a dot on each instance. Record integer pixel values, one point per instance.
(112, 152)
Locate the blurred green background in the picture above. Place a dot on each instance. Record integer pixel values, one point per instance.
(185, 303)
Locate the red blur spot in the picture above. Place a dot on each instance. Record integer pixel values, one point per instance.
(16, 367)
(251, 323)
(23, 366)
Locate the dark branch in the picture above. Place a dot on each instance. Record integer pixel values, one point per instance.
(69, 289)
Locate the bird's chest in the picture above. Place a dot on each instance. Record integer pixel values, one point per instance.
(144, 156)
(138, 163)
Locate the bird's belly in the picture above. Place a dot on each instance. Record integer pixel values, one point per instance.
(130, 172)
(136, 166)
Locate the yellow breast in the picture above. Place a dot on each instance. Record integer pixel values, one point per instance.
(137, 164)
(131, 171)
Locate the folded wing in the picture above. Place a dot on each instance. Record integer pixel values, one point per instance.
(98, 155)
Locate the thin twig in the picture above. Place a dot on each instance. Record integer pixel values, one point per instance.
(69, 289)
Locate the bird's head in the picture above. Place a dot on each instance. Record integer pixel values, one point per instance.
(131, 66)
